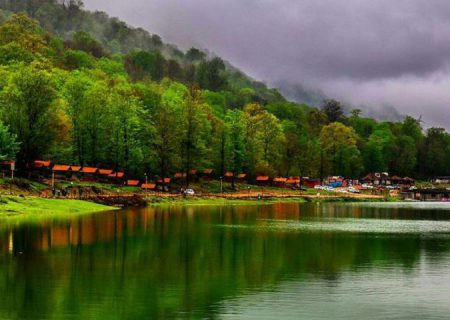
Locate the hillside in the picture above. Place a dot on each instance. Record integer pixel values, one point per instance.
(84, 89)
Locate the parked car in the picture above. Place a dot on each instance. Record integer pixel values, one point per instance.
(189, 192)
(353, 190)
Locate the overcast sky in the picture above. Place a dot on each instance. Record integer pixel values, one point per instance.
(374, 52)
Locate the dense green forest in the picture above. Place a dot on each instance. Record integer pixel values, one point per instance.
(82, 88)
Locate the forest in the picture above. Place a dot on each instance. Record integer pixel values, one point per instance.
(82, 88)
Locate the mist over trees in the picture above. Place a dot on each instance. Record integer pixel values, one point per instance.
(83, 88)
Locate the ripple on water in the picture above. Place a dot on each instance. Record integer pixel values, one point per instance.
(385, 226)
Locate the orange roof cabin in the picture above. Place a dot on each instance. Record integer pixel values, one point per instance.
(61, 168)
(41, 164)
(89, 174)
(75, 168)
(61, 171)
(132, 183)
(262, 180)
(207, 174)
(166, 181)
(241, 177)
(228, 176)
(148, 186)
(293, 181)
(40, 168)
(280, 182)
(179, 176)
(105, 172)
(116, 177)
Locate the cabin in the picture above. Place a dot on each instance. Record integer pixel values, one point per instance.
(75, 172)
(310, 182)
(40, 169)
(242, 178)
(207, 174)
(377, 179)
(293, 182)
(263, 180)
(89, 174)
(103, 175)
(228, 176)
(62, 172)
(148, 186)
(439, 195)
(179, 177)
(442, 180)
(116, 177)
(193, 175)
(280, 182)
(6, 167)
(133, 183)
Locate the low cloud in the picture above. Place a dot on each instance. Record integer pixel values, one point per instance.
(366, 52)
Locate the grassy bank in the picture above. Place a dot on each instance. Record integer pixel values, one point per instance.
(14, 206)
(217, 201)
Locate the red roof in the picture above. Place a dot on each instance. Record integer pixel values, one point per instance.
(75, 168)
(262, 178)
(116, 175)
(179, 175)
(242, 176)
(193, 171)
(229, 174)
(41, 163)
(133, 183)
(279, 180)
(166, 180)
(89, 170)
(105, 171)
(7, 162)
(149, 186)
(61, 168)
(293, 180)
(208, 171)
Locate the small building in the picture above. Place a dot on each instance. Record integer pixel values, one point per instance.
(280, 182)
(311, 182)
(242, 178)
(116, 177)
(378, 179)
(228, 176)
(89, 174)
(103, 174)
(40, 169)
(207, 174)
(179, 177)
(62, 172)
(133, 183)
(293, 182)
(148, 186)
(6, 167)
(438, 195)
(263, 180)
(442, 180)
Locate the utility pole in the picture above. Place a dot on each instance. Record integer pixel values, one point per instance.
(146, 183)
(221, 185)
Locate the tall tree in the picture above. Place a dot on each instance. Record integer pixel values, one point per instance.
(28, 106)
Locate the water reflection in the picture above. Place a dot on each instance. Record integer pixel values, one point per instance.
(182, 262)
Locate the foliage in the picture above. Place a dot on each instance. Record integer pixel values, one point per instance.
(77, 100)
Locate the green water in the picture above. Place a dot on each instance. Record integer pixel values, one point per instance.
(280, 261)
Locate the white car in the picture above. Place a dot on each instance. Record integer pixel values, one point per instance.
(189, 192)
(353, 190)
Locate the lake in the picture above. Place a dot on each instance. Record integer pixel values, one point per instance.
(277, 261)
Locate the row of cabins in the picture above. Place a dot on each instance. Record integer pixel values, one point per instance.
(45, 169)
(385, 179)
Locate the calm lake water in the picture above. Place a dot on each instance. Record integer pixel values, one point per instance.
(281, 261)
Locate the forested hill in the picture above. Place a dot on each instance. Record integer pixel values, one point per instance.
(74, 97)
(65, 18)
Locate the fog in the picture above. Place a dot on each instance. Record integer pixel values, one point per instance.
(365, 52)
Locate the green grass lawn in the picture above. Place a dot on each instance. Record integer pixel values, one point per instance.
(13, 206)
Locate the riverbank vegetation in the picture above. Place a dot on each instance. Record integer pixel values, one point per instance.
(13, 206)
(119, 97)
